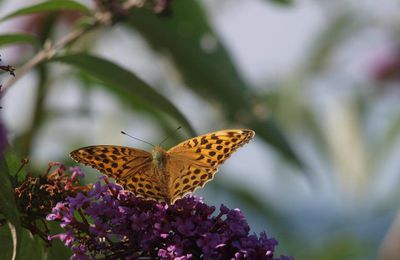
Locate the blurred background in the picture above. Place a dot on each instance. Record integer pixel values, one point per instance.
(319, 82)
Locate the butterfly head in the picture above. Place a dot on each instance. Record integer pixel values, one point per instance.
(159, 156)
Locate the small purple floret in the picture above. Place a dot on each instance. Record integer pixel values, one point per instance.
(76, 171)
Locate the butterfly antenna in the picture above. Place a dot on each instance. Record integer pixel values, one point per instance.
(166, 138)
(122, 132)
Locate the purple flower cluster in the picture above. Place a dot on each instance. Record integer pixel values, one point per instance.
(109, 222)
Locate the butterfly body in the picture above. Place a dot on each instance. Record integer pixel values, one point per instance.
(165, 175)
(159, 172)
(159, 157)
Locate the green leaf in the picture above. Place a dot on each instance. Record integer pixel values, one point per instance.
(206, 66)
(281, 2)
(6, 245)
(8, 206)
(270, 132)
(209, 70)
(8, 39)
(48, 6)
(125, 84)
(14, 164)
(32, 247)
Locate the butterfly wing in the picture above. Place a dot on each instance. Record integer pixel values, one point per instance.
(130, 167)
(194, 162)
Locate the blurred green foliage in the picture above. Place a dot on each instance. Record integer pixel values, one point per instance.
(281, 112)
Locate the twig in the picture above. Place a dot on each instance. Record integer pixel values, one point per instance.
(47, 53)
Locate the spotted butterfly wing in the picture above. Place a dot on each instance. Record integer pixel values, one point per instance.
(130, 167)
(194, 162)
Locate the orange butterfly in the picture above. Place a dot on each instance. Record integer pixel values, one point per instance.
(165, 175)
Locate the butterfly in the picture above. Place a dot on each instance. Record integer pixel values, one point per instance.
(165, 175)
